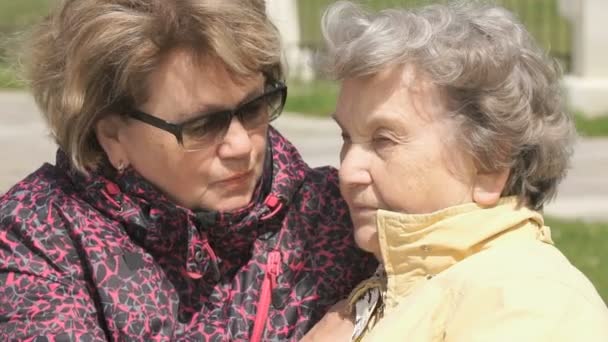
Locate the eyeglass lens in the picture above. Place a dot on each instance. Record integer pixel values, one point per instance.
(252, 114)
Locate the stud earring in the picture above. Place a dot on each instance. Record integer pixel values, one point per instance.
(121, 167)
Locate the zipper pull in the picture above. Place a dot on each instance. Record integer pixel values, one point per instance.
(274, 267)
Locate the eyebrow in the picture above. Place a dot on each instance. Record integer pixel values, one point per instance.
(384, 121)
(381, 121)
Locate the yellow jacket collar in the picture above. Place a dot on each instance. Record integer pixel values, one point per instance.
(419, 246)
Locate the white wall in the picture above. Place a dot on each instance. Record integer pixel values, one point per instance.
(587, 87)
(284, 14)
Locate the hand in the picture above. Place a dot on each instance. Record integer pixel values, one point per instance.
(336, 326)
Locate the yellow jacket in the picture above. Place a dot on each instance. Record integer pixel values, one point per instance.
(468, 273)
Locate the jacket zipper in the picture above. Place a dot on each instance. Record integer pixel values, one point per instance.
(273, 266)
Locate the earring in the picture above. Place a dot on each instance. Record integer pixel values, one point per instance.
(121, 166)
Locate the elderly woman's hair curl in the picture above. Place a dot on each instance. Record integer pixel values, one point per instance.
(502, 88)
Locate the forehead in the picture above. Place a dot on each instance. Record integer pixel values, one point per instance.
(392, 97)
(183, 85)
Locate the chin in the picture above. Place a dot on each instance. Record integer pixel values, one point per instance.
(366, 237)
(227, 198)
(231, 203)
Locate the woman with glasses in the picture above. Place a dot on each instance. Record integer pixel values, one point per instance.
(174, 210)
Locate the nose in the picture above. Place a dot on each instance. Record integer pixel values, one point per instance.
(354, 166)
(236, 143)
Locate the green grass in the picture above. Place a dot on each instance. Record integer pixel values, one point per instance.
(591, 127)
(585, 246)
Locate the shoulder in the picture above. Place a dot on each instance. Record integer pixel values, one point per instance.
(323, 178)
(321, 186)
(31, 197)
(34, 232)
(528, 280)
(36, 195)
(324, 175)
(533, 308)
(319, 203)
(329, 231)
(43, 182)
(530, 261)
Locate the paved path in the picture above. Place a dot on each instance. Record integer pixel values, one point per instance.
(24, 145)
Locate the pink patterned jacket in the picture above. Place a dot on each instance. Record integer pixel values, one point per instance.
(109, 258)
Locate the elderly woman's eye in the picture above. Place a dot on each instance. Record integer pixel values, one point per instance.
(383, 142)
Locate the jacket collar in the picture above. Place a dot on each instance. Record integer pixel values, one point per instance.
(415, 247)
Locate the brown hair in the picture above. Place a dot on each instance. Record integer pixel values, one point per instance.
(90, 57)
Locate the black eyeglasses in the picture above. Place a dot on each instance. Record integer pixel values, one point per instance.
(199, 132)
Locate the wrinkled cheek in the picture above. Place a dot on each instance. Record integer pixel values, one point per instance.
(401, 187)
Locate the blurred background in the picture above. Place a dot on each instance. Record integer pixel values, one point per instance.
(572, 31)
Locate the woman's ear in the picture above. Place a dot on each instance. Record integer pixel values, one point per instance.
(489, 186)
(107, 131)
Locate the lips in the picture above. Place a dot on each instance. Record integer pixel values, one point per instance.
(239, 177)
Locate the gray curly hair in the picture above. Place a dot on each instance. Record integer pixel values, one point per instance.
(504, 90)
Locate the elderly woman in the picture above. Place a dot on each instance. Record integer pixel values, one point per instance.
(174, 211)
(454, 139)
